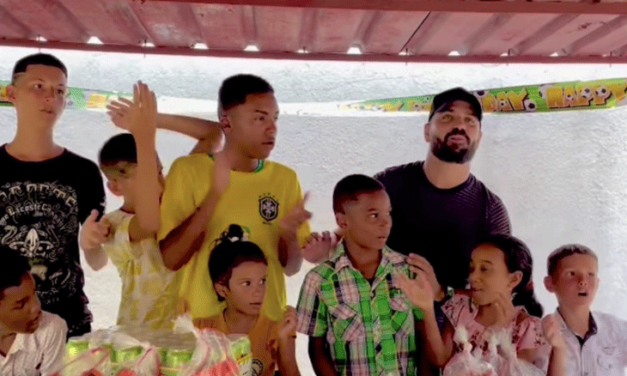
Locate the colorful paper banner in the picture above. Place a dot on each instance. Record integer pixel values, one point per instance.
(577, 95)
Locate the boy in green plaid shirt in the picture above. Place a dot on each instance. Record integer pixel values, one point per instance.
(358, 320)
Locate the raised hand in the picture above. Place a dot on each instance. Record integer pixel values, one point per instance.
(425, 267)
(505, 311)
(287, 327)
(418, 291)
(320, 247)
(552, 332)
(294, 219)
(118, 113)
(93, 232)
(143, 113)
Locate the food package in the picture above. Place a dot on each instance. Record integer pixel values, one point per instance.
(89, 363)
(134, 358)
(240, 346)
(465, 363)
(212, 355)
(505, 360)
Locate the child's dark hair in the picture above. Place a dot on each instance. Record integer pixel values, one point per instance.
(37, 59)
(118, 155)
(12, 268)
(235, 89)
(518, 259)
(564, 251)
(349, 189)
(230, 251)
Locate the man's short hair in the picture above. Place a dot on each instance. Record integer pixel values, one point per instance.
(12, 268)
(564, 251)
(235, 89)
(37, 59)
(118, 156)
(351, 187)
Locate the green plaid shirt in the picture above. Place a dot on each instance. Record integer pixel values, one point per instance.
(370, 328)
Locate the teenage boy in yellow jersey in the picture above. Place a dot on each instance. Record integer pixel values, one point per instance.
(204, 194)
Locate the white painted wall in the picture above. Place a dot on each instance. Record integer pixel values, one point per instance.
(562, 176)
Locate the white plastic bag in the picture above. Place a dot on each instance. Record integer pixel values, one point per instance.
(212, 356)
(465, 363)
(505, 359)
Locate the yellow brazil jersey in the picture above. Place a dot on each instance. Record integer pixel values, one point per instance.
(257, 201)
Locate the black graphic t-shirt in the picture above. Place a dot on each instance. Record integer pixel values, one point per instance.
(42, 205)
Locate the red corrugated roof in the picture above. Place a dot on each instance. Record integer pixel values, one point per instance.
(383, 30)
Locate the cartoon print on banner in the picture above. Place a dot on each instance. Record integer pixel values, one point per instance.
(52, 210)
(268, 207)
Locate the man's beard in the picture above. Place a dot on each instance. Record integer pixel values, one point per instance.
(452, 153)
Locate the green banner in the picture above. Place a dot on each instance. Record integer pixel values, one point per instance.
(576, 95)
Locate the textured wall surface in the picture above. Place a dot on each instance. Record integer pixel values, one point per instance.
(562, 176)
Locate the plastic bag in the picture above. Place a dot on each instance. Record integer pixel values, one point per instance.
(90, 363)
(212, 356)
(465, 363)
(503, 357)
(134, 358)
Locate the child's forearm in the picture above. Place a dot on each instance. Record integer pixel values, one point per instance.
(185, 240)
(290, 256)
(199, 129)
(147, 172)
(320, 359)
(557, 362)
(287, 358)
(435, 348)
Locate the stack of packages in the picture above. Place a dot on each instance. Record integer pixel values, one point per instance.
(499, 360)
(137, 351)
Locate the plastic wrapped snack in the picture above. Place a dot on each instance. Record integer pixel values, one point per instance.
(134, 358)
(506, 361)
(240, 346)
(212, 356)
(465, 363)
(90, 363)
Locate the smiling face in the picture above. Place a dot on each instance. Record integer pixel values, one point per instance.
(252, 126)
(489, 275)
(39, 95)
(246, 289)
(575, 281)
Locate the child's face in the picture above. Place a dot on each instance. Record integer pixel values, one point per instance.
(252, 126)
(489, 276)
(367, 222)
(20, 311)
(247, 287)
(575, 282)
(130, 188)
(39, 95)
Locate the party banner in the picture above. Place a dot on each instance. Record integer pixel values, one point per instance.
(78, 99)
(577, 95)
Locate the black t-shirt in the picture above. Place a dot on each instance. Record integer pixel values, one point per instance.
(442, 225)
(42, 205)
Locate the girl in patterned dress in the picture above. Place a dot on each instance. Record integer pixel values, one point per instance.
(501, 298)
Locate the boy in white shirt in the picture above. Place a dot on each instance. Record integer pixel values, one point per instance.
(32, 342)
(596, 343)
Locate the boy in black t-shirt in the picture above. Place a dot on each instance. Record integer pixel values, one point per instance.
(46, 192)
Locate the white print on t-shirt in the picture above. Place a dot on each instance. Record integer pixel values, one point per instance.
(40, 220)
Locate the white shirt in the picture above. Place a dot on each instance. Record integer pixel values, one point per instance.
(39, 353)
(603, 353)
